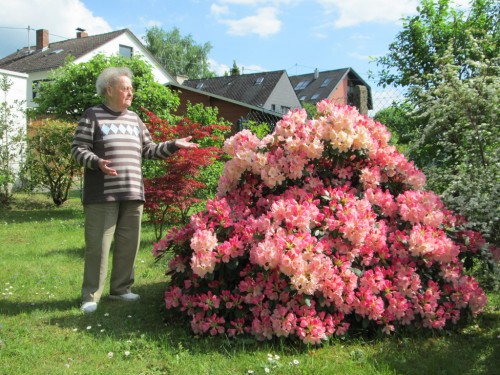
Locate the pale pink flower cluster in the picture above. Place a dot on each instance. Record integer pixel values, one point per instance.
(317, 228)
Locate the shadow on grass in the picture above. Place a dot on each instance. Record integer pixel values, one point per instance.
(23, 216)
(12, 308)
(75, 252)
(474, 350)
(146, 319)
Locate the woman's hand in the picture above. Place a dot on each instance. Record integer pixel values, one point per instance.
(103, 166)
(184, 143)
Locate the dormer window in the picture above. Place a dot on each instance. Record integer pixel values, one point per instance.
(259, 81)
(126, 51)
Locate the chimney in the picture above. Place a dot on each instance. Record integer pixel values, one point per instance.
(181, 78)
(316, 73)
(42, 39)
(81, 33)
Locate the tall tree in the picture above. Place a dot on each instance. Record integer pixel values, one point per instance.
(235, 70)
(427, 35)
(460, 142)
(180, 55)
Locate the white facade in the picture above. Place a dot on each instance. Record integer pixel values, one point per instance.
(14, 100)
(282, 98)
(125, 41)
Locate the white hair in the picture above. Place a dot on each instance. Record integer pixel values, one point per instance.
(109, 76)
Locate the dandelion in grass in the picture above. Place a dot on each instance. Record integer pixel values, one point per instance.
(266, 370)
(89, 328)
(107, 314)
(110, 355)
(75, 329)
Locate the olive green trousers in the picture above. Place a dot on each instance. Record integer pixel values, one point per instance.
(104, 223)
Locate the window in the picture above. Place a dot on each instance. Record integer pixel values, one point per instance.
(303, 97)
(200, 85)
(315, 96)
(259, 81)
(126, 51)
(326, 82)
(302, 85)
(284, 109)
(273, 107)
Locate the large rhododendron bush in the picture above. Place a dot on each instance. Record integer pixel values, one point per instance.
(319, 228)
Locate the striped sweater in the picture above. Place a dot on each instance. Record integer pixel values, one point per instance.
(121, 138)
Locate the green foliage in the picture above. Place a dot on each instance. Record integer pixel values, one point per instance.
(310, 109)
(438, 25)
(209, 175)
(50, 163)
(260, 129)
(459, 145)
(235, 70)
(179, 55)
(400, 123)
(447, 57)
(11, 140)
(71, 89)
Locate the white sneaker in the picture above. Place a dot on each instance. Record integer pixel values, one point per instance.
(129, 297)
(89, 307)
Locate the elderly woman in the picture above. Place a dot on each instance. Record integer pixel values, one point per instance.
(110, 142)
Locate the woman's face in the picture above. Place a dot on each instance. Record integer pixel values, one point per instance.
(120, 94)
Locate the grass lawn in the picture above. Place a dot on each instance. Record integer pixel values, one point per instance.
(42, 330)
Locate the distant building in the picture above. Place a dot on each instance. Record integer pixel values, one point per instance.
(268, 90)
(39, 60)
(342, 86)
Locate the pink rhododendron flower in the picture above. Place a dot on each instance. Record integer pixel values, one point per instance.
(319, 228)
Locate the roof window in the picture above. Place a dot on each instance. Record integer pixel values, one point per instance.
(326, 82)
(302, 85)
(259, 81)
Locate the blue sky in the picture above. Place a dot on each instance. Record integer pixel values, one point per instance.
(260, 35)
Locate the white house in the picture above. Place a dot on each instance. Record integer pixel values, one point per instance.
(38, 61)
(13, 112)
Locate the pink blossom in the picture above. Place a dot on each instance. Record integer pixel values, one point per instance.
(316, 227)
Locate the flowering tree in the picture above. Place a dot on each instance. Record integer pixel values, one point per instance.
(172, 187)
(320, 227)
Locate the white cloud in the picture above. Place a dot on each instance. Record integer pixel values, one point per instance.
(264, 23)
(359, 56)
(218, 69)
(59, 17)
(218, 10)
(150, 23)
(355, 12)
